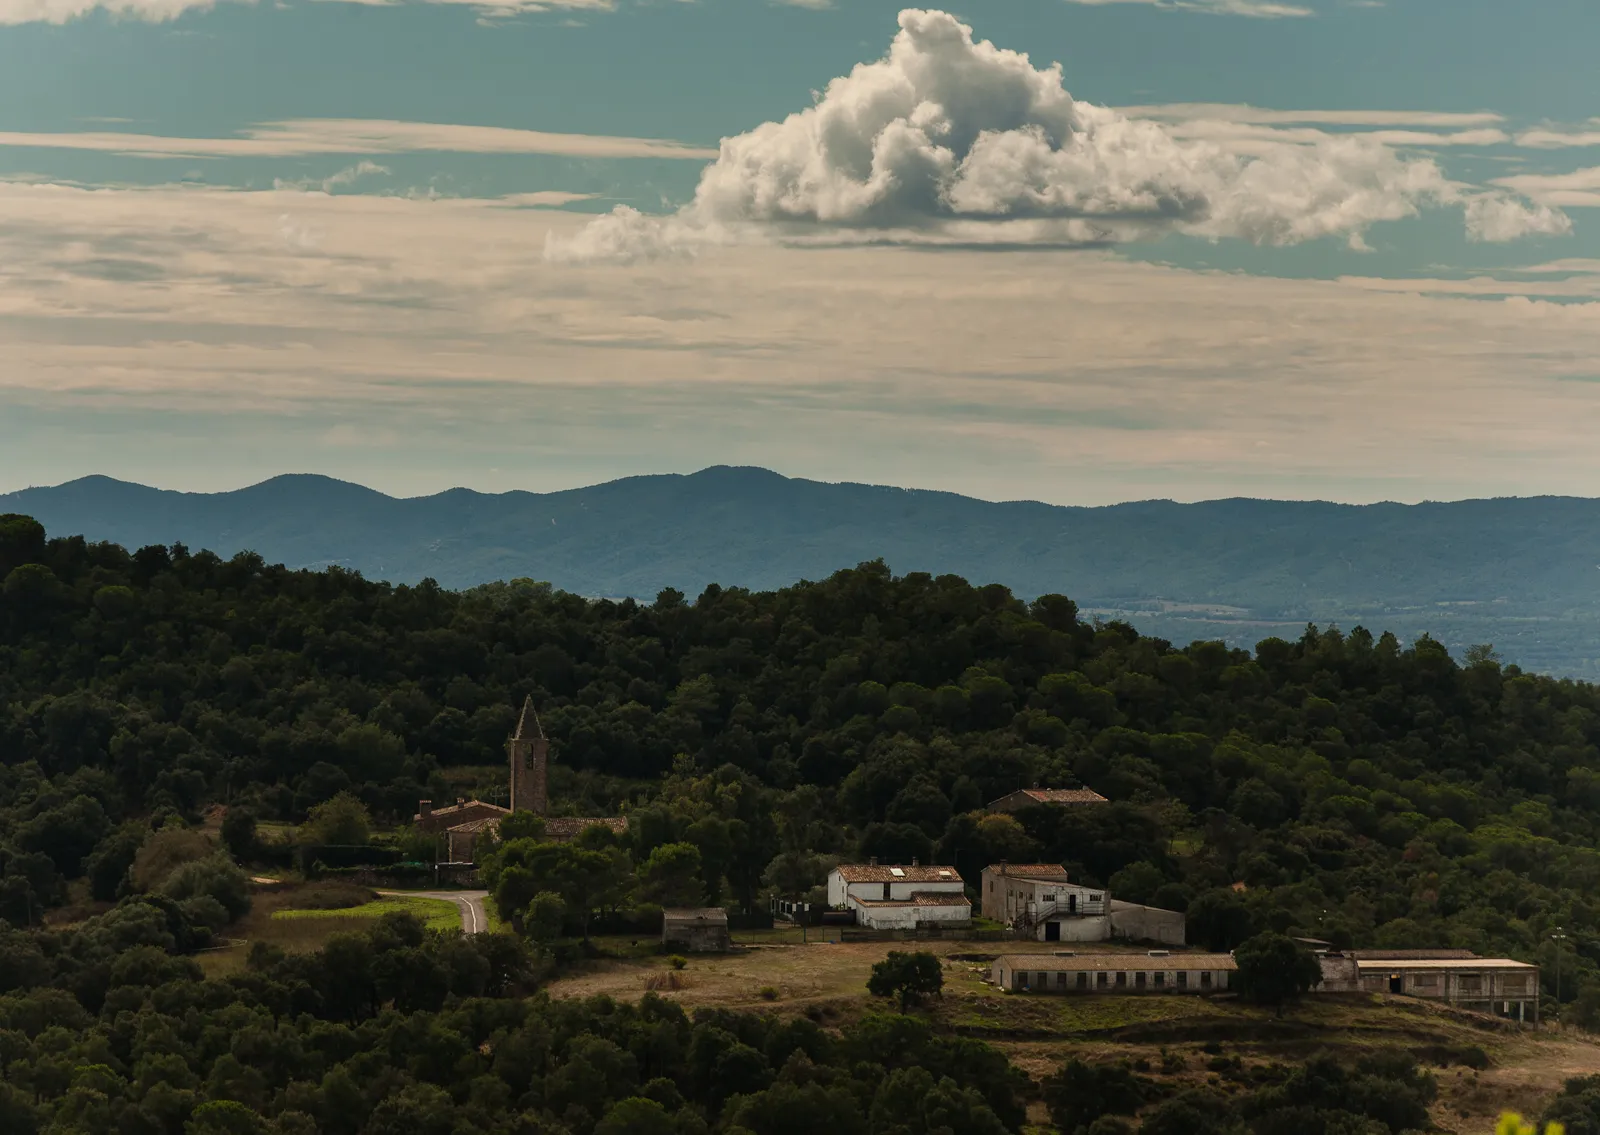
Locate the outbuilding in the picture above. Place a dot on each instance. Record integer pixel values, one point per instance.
(696, 931)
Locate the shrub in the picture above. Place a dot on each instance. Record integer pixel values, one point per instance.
(216, 878)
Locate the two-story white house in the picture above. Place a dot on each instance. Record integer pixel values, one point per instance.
(893, 897)
(1038, 899)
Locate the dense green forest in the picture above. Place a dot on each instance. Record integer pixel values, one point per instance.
(1360, 789)
(399, 1031)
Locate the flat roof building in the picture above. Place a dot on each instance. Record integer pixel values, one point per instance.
(1500, 986)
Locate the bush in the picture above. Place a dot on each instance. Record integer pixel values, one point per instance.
(216, 878)
(166, 851)
(343, 820)
(768, 992)
(677, 961)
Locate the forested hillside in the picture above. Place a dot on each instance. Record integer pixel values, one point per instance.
(1359, 788)
(1517, 572)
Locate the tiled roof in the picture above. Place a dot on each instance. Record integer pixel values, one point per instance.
(1065, 795)
(1048, 872)
(567, 827)
(1465, 965)
(464, 806)
(709, 914)
(489, 822)
(918, 898)
(890, 873)
(1132, 963)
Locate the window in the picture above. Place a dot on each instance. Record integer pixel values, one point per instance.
(1049, 898)
(1471, 983)
(1061, 981)
(1094, 898)
(1100, 980)
(1083, 980)
(1161, 979)
(1138, 980)
(1205, 979)
(1183, 979)
(1122, 980)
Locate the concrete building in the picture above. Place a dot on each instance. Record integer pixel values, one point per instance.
(696, 931)
(897, 897)
(1038, 901)
(1135, 923)
(528, 754)
(1154, 972)
(1034, 797)
(1500, 986)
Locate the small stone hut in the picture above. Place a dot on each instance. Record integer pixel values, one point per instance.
(696, 931)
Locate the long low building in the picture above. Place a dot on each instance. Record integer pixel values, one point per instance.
(1501, 986)
(1155, 972)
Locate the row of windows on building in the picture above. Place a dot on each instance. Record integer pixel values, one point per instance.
(1122, 979)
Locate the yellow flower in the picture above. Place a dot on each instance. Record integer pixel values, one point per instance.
(1512, 1124)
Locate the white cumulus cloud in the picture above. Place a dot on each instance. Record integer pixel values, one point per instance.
(1497, 218)
(955, 140)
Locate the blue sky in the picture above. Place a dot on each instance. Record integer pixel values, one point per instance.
(256, 238)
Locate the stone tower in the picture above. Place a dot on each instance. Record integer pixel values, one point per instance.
(529, 750)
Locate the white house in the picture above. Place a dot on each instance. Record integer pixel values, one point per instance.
(898, 897)
(1038, 899)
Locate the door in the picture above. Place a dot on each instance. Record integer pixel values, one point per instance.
(1052, 931)
(1072, 904)
(1394, 984)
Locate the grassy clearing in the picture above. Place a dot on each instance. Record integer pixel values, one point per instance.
(436, 914)
(1204, 1036)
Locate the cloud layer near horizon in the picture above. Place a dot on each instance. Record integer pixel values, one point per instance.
(14, 12)
(948, 138)
(168, 333)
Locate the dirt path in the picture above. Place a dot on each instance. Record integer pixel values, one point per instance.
(474, 919)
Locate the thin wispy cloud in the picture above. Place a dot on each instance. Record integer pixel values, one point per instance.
(1242, 112)
(361, 136)
(160, 11)
(1579, 189)
(1553, 138)
(1260, 9)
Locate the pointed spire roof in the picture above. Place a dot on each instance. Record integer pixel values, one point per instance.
(522, 722)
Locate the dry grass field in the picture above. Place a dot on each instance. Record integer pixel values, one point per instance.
(1169, 1037)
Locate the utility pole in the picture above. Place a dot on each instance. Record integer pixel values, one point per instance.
(1558, 937)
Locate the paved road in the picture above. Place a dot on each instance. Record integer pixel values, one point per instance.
(474, 919)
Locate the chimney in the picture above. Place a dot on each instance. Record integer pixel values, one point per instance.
(424, 808)
(915, 862)
(873, 862)
(460, 800)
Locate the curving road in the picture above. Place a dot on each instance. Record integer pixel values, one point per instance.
(474, 919)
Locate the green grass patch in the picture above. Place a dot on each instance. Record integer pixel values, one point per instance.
(436, 914)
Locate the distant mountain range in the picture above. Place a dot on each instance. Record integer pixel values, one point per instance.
(1521, 573)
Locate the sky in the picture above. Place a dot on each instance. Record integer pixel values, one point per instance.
(1080, 251)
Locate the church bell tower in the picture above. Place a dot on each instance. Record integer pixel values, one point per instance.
(529, 751)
